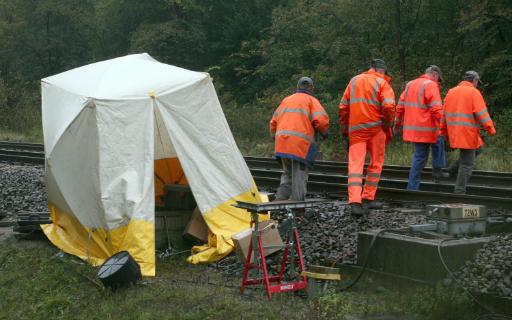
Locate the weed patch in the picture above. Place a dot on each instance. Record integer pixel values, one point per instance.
(36, 282)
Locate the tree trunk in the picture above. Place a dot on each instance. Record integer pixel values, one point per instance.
(401, 52)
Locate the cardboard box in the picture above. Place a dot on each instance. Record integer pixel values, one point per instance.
(196, 227)
(270, 237)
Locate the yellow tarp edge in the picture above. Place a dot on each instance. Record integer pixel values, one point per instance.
(95, 245)
(224, 221)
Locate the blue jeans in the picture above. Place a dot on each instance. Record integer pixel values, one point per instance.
(420, 158)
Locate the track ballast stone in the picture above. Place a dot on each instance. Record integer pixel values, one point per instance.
(490, 271)
(22, 189)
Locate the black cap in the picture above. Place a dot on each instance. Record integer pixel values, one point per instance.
(379, 64)
(472, 75)
(305, 80)
(434, 68)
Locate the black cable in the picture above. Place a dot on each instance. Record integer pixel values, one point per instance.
(491, 315)
(367, 258)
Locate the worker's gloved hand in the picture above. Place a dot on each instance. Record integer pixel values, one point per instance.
(446, 143)
(447, 147)
(491, 131)
(389, 134)
(397, 130)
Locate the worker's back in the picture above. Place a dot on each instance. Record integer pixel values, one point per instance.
(421, 106)
(465, 111)
(294, 124)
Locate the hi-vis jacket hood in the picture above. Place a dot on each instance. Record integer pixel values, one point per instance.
(294, 124)
(420, 110)
(465, 112)
(368, 105)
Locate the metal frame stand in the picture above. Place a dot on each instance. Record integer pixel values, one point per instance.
(275, 283)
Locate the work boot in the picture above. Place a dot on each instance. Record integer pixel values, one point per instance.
(372, 204)
(357, 210)
(438, 174)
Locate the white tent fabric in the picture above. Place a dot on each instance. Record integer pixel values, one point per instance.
(104, 125)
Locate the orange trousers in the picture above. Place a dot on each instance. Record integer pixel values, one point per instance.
(376, 146)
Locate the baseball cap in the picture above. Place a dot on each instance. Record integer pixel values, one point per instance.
(472, 75)
(434, 68)
(305, 80)
(379, 64)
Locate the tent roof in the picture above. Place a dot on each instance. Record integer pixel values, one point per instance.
(132, 76)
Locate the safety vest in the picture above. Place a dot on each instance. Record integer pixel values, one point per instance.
(420, 110)
(293, 125)
(465, 113)
(368, 105)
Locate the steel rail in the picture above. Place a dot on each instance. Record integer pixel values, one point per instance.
(327, 177)
(395, 184)
(21, 146)
(390, 171)
(339, 191)
(487, 178)
(21, 157)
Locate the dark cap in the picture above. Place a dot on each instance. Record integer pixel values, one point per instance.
(305, 80)
(434, 68)
(379, 64)
(472, 75)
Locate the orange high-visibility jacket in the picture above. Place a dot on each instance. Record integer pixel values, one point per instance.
(465, 111)
(420, 110)
(294, 124)
(367, 106)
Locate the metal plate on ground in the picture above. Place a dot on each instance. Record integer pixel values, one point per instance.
(280, 205)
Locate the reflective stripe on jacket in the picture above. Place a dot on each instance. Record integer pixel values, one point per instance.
(367, 106)
(420, 110)
(465, 113)
(294, 124)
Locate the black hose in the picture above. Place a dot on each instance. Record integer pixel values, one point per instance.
(491, 315)
(367, 258)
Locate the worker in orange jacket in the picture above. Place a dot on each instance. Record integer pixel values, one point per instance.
(294, 126)
(365, 113)
(419, 114)
(465, 112)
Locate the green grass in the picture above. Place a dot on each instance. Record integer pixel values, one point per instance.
(33, 135)
(37, 283)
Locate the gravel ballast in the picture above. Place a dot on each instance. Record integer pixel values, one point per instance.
(22, 189)
(490, 272)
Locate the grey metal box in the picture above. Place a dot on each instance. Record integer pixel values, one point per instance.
(458, 218)
(457, 211)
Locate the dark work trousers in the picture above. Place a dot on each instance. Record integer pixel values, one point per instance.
(293, 180)
(453, 169)
(466, 164)
(420, 157)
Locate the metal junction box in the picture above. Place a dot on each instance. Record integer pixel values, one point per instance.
(458, 218)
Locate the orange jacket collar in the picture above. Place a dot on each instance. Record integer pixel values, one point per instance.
(426, 76)
(378, 74)
(465, 83)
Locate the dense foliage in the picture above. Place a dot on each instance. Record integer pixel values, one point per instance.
(255, 50)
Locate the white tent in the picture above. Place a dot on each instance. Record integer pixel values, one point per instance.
(108, 128)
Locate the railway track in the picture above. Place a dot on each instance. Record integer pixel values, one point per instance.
(14, 152)
(490, 188)
(486, 178)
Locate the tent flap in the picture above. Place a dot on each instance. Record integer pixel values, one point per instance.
(112, 126)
